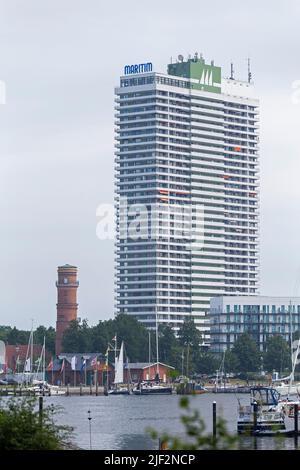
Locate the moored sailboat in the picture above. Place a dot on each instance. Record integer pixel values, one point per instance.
(119, 388)
(154, 386)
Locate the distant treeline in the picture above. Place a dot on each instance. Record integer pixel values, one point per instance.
(184, 351)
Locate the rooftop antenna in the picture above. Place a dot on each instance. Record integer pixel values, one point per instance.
(231, 71)
(249, 71)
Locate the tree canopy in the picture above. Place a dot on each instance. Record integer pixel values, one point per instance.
(277, 356)
(246, 353)
(23, 428)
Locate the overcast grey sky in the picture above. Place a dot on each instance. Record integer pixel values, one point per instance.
(60, 60)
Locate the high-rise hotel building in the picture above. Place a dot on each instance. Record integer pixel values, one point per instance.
(185, 139)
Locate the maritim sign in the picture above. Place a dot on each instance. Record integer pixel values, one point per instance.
(138, 68)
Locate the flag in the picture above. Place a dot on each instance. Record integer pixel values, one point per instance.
(83, 364)
(94, 361)
(114, 338)
(50, 365)
(27, 365)
(73, 362)
(62, 365)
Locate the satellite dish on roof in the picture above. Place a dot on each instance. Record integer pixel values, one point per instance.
(180, 58)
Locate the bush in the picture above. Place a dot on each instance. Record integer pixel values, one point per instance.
(23, 428)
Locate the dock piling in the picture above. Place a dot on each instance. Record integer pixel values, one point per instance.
(214, 419)
(255, 410)
(40, 410)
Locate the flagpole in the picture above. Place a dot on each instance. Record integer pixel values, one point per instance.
(44, 360)
(31, 352)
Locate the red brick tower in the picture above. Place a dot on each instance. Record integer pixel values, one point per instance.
(67, 285)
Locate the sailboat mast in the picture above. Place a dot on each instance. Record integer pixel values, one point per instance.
(149, 351)
(291, 334)
(295, 356)
(31, 350)
(157, 369)
(44, 360)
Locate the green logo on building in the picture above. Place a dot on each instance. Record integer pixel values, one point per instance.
(202, 76)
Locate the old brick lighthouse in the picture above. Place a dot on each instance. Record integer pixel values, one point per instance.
(67, 285)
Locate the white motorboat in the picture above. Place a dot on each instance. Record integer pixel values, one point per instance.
(42, 388)
(151, 387)
(262, 415)
(267, 413)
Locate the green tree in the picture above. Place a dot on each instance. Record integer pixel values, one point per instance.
(189, 337)
(277, 355)
(247, 353)
(22, 429)
(134, 335)
(49, 334)
(170, 350)
(188, 334)
(205, 363)
(231, 362)
(77, 337)
(4, 332)
(16, 336)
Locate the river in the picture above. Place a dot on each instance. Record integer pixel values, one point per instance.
(121, 422)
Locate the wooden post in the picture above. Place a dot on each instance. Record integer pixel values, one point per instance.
(296, 418)
(296, 430)
(40, 410)
(68, 389)
(80, 389)
(214, 419)
(91, 390)
(96, 388)
(255, 409)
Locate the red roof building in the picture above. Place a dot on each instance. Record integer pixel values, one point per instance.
(16, 355)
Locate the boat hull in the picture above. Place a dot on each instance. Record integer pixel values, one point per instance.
(154, 391)
(118, 392)
(261, 427)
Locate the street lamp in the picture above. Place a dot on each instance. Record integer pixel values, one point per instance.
(90, 428)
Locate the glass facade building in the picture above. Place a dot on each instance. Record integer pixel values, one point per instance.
(259, 316)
